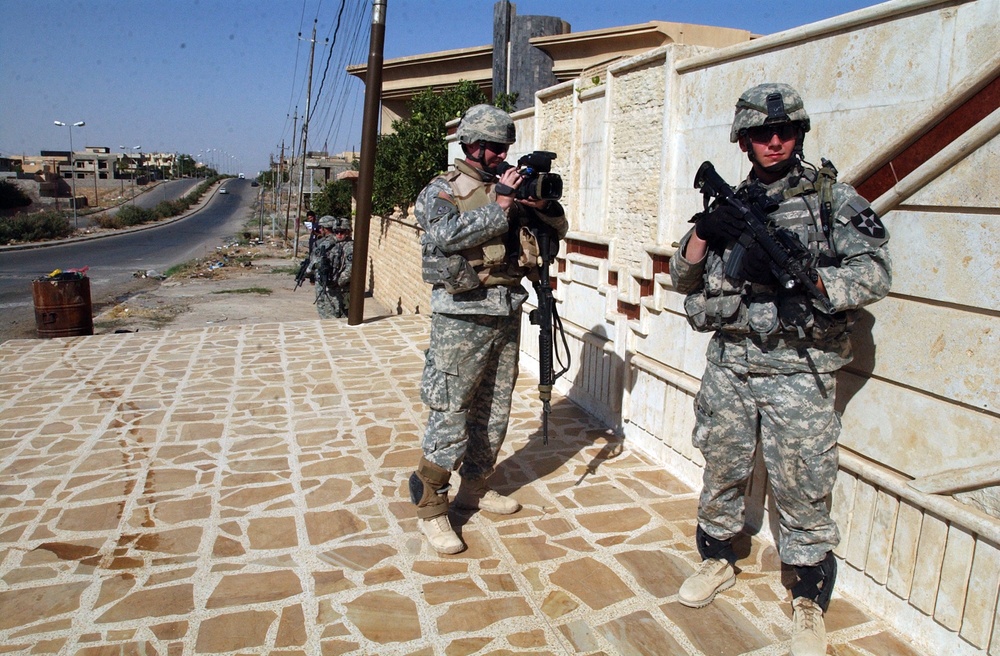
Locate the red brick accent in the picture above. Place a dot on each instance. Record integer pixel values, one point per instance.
(587, 248)
(949, 128)
(630, 311)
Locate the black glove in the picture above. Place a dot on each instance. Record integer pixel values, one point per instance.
(721, 225)
(757, 266)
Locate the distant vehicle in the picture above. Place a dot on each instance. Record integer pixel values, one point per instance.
(223, 191)
(254, 184)
(242, 177)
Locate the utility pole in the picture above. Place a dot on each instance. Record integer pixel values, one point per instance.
(288, 206)
(366, 174)
(305, 133)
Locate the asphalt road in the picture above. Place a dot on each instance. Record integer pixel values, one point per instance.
(113, 261)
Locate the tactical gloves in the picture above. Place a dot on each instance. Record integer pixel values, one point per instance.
(721, 225)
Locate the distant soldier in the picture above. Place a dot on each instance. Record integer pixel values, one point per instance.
(770, 379)
(330, 263)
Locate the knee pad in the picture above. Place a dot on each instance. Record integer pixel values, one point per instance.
(429, 489)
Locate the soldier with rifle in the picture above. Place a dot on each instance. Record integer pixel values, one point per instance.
(477, 246)
(329, 267)
(775, 270)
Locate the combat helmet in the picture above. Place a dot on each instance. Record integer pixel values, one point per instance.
(486, 123)
(341, 223)
(768, 104)
(327, 221)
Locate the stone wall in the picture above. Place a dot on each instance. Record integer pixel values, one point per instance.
(394, 265)
(919, 401)
(907, 89)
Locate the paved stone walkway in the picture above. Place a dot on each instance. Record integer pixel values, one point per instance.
(242, 490)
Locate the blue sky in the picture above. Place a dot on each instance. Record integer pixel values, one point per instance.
(225, 78)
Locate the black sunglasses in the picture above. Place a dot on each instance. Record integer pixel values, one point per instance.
(764, 133)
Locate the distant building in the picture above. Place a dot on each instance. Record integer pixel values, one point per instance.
(530, 53)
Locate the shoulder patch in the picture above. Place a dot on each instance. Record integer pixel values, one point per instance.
(868, 224)
(441, 205)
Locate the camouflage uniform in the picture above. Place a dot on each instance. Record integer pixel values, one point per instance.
(331, 261)
(471, 364)
(772, 363)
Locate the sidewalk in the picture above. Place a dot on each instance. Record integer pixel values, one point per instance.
(243, 489)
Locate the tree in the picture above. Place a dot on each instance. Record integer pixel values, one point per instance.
(12, 196)
(416, 151)
(334, 199)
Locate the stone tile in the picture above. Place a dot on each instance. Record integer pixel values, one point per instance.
(581, 635)
(658, 573)
(626, 520)
(254, 588)
(225, 490)
(640, 633)
(384, 616)
(29, 605)
(732, 633)
(468, 616)
(156, 602)
(884, 644)
(594, 583)
(439, 592)
(234, 631)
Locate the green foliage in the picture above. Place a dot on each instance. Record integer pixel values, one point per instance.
(12, 196)
(334, 199)
(34, 227)
(269, 178)
(126, 216)
(416, 151)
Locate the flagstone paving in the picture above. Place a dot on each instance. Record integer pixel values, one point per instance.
(243, 490)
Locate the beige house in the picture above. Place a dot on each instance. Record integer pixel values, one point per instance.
(904, 100)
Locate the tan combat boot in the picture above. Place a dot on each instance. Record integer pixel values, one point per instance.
(475, 494)
(429, 491)
(808, 628)
(713, 576)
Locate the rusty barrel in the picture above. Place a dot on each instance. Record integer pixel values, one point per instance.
(62, 306)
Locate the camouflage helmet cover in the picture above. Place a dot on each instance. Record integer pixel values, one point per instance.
(768, 104)
(342, 223)
(327, 221)
(486, 123)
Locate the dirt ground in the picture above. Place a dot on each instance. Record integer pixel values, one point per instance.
(242, 284)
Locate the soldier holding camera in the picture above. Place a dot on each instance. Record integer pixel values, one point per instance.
(476, 249)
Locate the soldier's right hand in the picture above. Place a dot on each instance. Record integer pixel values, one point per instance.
(721, 225)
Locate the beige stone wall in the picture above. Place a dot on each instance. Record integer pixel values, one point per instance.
(394, 265)
(921, 396)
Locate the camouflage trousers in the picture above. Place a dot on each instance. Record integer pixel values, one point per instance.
(794, 418)
(468, 380)
(333, 303)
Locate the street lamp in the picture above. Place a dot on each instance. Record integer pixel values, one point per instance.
(72, 171)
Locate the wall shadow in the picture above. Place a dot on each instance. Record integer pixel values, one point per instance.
(862, 366)
(577, 439)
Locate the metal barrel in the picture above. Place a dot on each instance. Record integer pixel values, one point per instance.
(62, 307)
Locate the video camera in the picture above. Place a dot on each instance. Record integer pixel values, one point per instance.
(537, 179)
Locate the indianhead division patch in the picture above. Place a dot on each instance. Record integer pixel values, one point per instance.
(868, 224)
